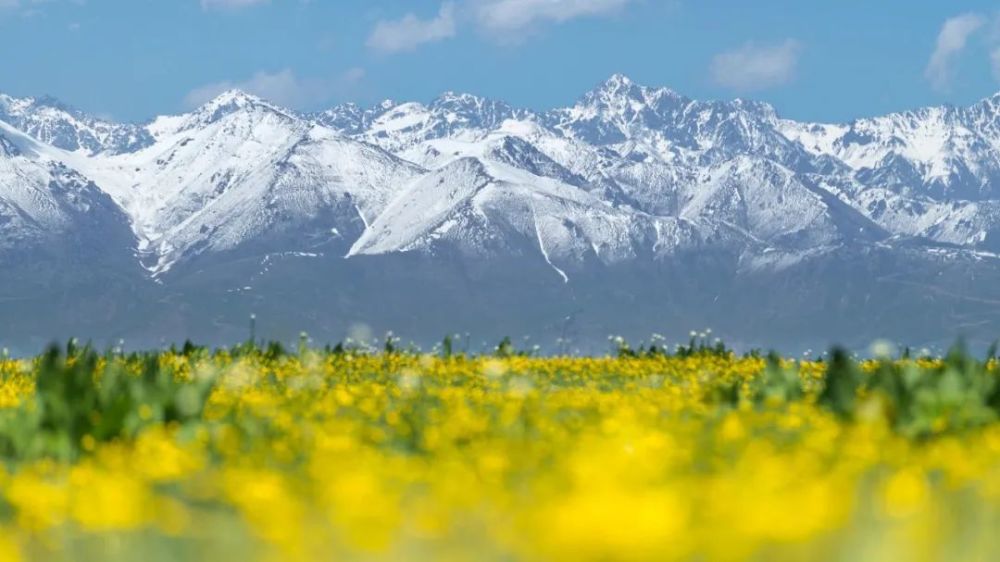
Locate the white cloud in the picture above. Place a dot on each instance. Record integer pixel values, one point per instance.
(505, 16)
(756, 67)
(283, 88)
(30, 8)
(11, 4)
(229, 4)
(506, 20)
(995, 62)
(392, 36)
(353, 76)
(951, 41)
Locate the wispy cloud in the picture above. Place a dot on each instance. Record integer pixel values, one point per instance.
(283, 87)
(518, 16)
(27, 9)
(995, 62)
(408, 33)
(757, 67)
(229, 4)
(12, 4)
(503, 20)
(951, 41)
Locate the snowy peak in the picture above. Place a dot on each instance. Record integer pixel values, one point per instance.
(20, 144)
(618, 81)
(986, 113)
(615, 109)
(634, 200)
(233, 102)
(46, 205)
(521, 154)
(401, 126)
(472, 111)
(7, 148)
(426, 210)
(734, 164)
(235, 99)
(62, 126)
(672, 125)
(941, 152)
(482, 208)
(629, 172)
(762, 110)
(239, 173)
(619, 92)
(347, 118)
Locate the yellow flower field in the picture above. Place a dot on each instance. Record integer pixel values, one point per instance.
(251, 454)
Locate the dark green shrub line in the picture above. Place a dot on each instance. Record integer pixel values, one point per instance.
(961, 393)
(82, 397)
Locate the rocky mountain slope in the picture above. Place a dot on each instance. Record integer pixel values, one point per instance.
(632, 187)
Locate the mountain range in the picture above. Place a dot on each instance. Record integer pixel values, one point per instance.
(636, 210)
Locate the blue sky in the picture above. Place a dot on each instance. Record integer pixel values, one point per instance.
(825, 61)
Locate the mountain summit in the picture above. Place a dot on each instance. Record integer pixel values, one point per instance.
(693, 211)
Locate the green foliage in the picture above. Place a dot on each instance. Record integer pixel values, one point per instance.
(83, 397)
(917, 400)
(698, 345)
(506, 348)
(777, 383)
(962, 393)
(447, 347)
(841, 383)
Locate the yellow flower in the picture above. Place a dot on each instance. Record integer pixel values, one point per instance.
(41, 501)
(10, 550)
(104, 501)
(905, 493)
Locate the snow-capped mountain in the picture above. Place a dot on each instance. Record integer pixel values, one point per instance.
(943, 152)
(925, 174)
(240, 170)
(59, 125)
(485, 207)
(630, 188)
(47, 207)
(401, 125)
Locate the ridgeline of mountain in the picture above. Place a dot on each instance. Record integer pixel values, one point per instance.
(635, 210)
